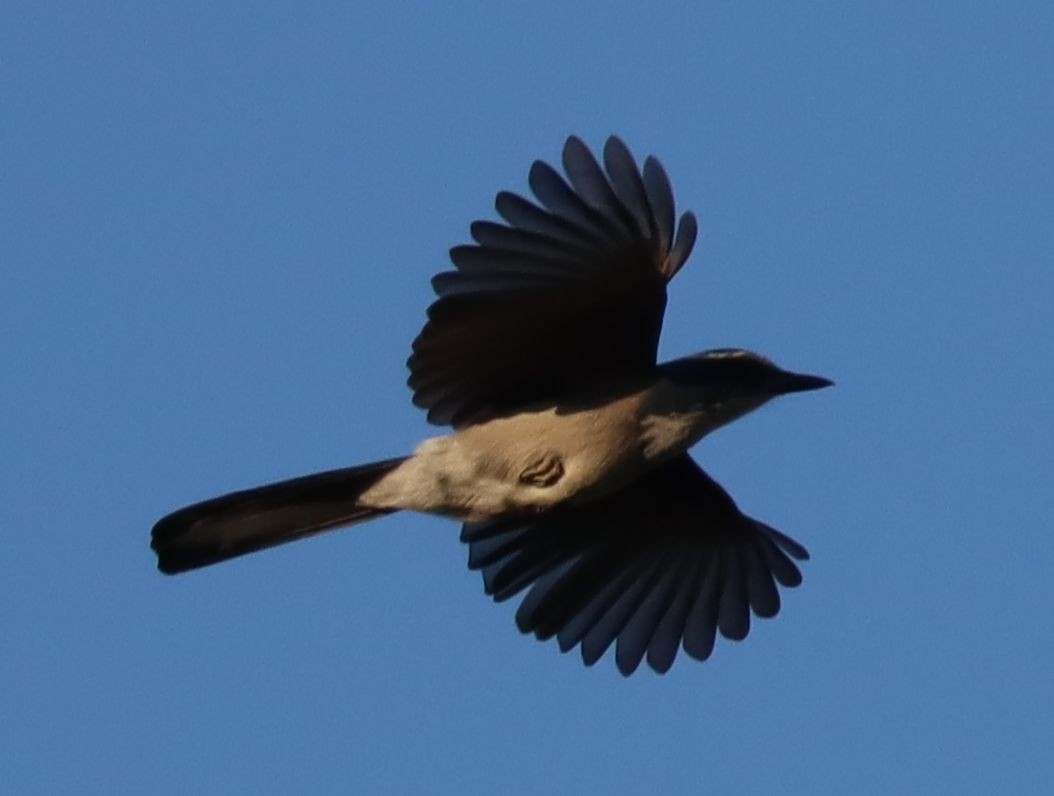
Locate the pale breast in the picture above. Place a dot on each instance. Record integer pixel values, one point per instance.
(537, 459)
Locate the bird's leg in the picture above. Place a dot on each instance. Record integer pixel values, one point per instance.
(544, 471)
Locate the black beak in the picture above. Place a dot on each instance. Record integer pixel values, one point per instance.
(800, 382)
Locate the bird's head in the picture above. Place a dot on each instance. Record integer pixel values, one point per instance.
(729, 382)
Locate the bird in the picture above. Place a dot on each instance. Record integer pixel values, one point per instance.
(567, 462)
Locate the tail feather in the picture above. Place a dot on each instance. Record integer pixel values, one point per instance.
(254, 519)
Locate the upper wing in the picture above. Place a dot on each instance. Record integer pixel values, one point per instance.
(667, 562)
(565, 292)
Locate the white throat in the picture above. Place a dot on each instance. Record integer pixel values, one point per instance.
(674, 421)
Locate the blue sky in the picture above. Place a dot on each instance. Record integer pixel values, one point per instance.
(217, 226)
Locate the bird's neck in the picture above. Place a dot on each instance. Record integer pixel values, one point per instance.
(676, 418)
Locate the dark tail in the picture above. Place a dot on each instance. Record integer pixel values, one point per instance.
(254, 519)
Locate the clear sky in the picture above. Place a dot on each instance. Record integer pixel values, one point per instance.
(217, 226)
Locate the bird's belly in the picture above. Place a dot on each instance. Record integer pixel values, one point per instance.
(533, 461)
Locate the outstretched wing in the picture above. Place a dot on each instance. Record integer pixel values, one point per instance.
(667, 562)
(566, 292)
